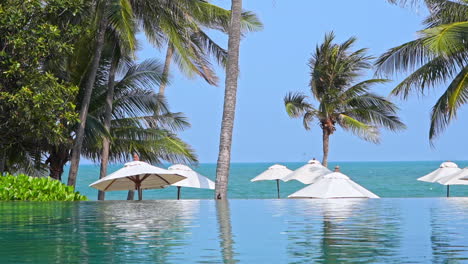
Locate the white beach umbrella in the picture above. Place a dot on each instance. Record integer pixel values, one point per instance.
(445, 170)
(334, 185)
(455, 179)
(275, 172)
(308, 173)
(137, 175)
(194, 179)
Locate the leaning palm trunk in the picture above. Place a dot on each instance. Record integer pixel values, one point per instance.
(107, 122)
(167, 64)
(88, 88)
(227, 125)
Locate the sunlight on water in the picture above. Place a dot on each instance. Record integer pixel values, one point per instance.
(426, 230)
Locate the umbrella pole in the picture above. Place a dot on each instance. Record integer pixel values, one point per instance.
(140, 194)
(278, 188)
(448, 190)
(138, 187)
(178, 192)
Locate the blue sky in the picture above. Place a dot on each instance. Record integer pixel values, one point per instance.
(274, 62)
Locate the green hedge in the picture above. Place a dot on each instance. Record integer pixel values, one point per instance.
(25, 188)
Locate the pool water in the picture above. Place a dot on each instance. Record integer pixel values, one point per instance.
(390, 230)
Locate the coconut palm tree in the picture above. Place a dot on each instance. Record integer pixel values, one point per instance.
(178, 21)
(342, 101)
(115, 14)
(141, 121)
(212, 17)
(437, 57)
(227, 124)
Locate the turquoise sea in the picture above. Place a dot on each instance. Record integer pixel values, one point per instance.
(386, 179)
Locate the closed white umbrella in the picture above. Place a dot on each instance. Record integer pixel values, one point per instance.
(193, 180)
(455, 179)
(334, 185)
(275, 172)
(137, 175)
(308, 173)
(445, 170)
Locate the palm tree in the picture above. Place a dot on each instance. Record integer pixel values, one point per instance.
(141, 121)
(178, 21)
(227, 125)
(342, 101)
(110, 13)
(438, 56)
(211, 17)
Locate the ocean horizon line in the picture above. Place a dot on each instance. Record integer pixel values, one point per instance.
(304, 161)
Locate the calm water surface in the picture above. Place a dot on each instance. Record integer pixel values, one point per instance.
(412, 230)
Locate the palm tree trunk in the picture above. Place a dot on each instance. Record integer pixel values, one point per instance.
(107, 122)
(167, 64)
(227, 125)
(58, 157)
(88, 88)
(326, 139)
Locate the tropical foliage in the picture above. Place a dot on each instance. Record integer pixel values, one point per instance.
(25, 188)
(141, 121)
(334, 70)
(176, 22)
(34, 103)
(437, 57)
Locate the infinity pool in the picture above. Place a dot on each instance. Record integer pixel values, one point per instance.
(420, 230)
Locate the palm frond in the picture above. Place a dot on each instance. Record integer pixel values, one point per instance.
(362, 130)
(445, 109)
(447, 38)
(445, 12)
(361, 88)
(405, 57)
(431, 74)
(296, 104)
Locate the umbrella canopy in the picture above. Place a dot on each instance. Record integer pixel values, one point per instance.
(137, 175)
(193, 180)
(456, 178)
(445, 169)
(275, 172)
(334, 185)
(308, 173)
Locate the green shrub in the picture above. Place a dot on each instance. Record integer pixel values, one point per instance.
(25, 188)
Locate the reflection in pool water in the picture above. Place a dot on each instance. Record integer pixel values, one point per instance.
(238, 231)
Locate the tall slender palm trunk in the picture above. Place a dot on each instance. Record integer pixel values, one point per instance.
(325, 142)
(167, 64)
(88, 89)
(227, 125)
(107, 122)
